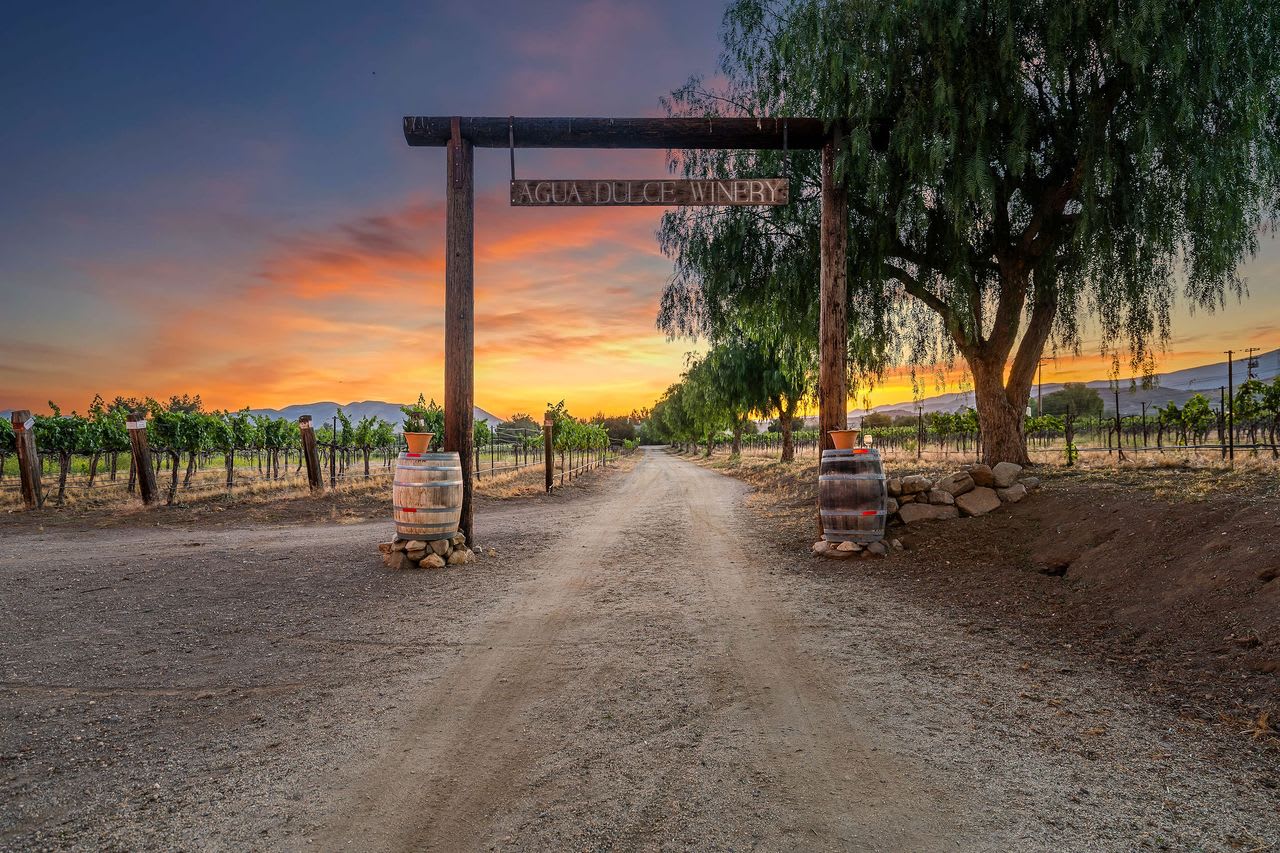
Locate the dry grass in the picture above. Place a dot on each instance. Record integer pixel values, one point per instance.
(1172, 477)
(286, 499)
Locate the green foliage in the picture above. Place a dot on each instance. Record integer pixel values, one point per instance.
(569, 433)
(421, 417)
(521, 422)
(1009, 165)
(1074, 397)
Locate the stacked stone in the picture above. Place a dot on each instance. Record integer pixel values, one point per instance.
(972, 491)
(845, 550)
(417, 554)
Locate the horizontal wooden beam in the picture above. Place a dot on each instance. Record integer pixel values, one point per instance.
(497, 132)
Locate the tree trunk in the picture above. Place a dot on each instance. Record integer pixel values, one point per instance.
(1000, 410)
(93, 467)
(737, 437)
(230, 461)
(785, 423)
(191, 469)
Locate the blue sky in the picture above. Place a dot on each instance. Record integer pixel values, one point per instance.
(217, 198)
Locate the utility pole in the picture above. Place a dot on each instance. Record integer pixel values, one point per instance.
(1251, 363)
(919, 430)
(1222, 419)
(1040, 384)
(1119, 439)
(1231, 411)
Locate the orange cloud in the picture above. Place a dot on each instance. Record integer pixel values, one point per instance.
(565, 306)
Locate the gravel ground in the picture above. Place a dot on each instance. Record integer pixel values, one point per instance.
(633, 667)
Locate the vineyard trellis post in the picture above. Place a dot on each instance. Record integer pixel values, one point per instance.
(315, 478)
(137, 426)
(28, 458)
(548, 456)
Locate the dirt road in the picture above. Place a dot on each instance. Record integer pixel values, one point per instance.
(635, 668)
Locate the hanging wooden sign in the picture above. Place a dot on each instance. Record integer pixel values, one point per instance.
(659, 193)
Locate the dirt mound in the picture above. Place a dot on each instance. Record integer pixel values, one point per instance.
(1183, 593)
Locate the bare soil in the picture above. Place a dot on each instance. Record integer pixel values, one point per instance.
(645, 660)
(1169, 577)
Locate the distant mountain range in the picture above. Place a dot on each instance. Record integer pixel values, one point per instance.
(1177, 386)
(322, 412)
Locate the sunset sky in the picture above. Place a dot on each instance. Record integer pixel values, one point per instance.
(218, 199)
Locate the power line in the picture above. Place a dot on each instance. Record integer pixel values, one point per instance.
(1251, 363)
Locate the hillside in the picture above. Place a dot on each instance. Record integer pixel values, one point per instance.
(1177, 386)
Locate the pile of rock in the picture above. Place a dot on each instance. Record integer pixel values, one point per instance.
(417, 554)
(845, 550)
(974, 490)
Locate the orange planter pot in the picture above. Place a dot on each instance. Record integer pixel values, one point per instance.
(419, 442)
(843, 439)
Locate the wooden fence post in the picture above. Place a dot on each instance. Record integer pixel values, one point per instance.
(548, 456)
(309, 450)
(137, 425)
(28, 458)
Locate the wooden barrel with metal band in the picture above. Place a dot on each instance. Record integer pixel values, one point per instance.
(852, 499)
(426, 495)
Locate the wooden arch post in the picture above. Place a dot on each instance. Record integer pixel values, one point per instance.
(459, 311)
(833, 322)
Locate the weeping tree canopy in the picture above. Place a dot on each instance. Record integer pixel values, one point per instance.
(1012, 168)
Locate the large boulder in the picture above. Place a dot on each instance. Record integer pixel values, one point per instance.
(1030, 482)
(981, 475)
(938, 496)
(980, 501)
(915, 484)
(914, 512)
(1013, 494)
(432, 561)
(1005, 474)
(894, 486)
(891, 505)
(398, 560)
(440, 547)
(956, 484)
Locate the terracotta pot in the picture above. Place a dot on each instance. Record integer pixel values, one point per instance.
(419, 442)
(843, 439)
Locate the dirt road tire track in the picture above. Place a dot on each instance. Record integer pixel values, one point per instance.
(638, 668)
(461, 761)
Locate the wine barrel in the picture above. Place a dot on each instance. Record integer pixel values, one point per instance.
(426, 495)
(852, 500)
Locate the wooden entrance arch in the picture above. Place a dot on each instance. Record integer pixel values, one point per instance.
(462, 135)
